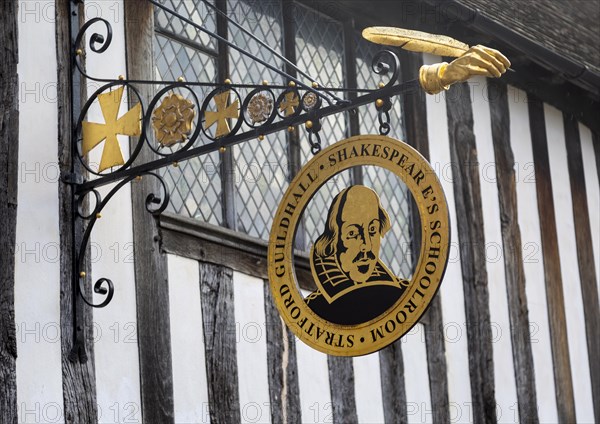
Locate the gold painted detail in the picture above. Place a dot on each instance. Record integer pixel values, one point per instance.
(172, 120)
(415, 41)
(309, 100)
(471, 61)
(260, 108)
(95, 133)
(224, 112)
(289, 103)
(336, 271)
(360, 305)
(478, 60)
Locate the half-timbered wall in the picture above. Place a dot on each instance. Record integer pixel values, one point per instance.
(515, 333)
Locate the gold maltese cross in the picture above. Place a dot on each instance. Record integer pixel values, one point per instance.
(289, 103)
(222, 114)
(95, 133)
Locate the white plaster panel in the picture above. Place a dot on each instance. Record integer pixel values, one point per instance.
(367, 388)
(37, 255)
(416, 376)
(116, 341)
(190, 387)
(313, 382)
(251, 336)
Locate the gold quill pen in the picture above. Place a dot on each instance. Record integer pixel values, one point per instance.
(416, 41)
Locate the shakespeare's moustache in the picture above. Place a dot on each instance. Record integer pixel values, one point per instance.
(363, 256)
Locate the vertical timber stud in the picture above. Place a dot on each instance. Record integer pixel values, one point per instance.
(284, 392)
(554, 290)
(585, 255)
(288, 8)
(216, 296)
(79, 379)
(9, 149)
(341, 383)
(469, 215)
(227, 167)
(393, 389)
(152, 292)
(513, 257)
(414, 112)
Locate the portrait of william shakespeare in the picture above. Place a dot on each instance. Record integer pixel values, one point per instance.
(353, 284)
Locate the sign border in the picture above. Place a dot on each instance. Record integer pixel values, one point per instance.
(413, 169)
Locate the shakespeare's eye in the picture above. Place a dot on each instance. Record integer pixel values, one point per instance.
(351, 234)
(373, 228)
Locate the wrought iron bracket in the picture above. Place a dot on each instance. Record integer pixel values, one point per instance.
(241, 112)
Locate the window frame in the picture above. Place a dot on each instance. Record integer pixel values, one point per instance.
(224, 244)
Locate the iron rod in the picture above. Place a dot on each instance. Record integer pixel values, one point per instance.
(239, 138)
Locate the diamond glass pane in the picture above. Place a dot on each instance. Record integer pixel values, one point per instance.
(261, 167)
(263, 19)
(320, 53)
(396, 251)
(320, 47)
(195, 11)
(195, 185)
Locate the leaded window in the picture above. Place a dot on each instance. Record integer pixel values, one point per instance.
(259, 171)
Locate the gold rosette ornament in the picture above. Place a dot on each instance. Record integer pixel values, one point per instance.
(172, 120)
(260, 108)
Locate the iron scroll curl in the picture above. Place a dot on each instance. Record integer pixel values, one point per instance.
(387, 62)
(155, 204)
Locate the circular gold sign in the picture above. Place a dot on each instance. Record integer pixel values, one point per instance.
(359, 306)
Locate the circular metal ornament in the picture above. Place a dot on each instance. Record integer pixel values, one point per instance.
(288, 103)
(311, 101)
(91, 135)
(173, 120)
(362, 325)
(259, 108)
(226, 107)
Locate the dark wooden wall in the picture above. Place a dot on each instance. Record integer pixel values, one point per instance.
(513, 252)
(152, 291)
(585, 255)
(9, 147)
(79, 380)
(554, 284)
(469, 216)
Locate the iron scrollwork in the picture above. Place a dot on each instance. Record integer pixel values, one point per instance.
(176, 124)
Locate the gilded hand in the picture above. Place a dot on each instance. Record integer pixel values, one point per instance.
(478, 60)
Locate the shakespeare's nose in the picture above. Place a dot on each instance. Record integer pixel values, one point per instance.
(366, 244)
